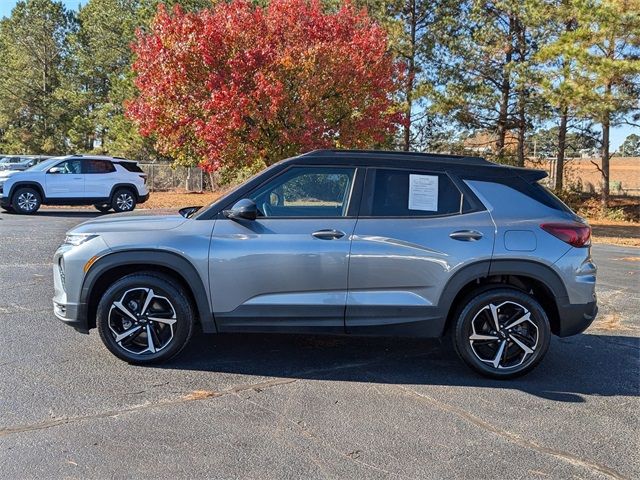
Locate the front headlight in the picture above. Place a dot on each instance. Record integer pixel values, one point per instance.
(75, 239)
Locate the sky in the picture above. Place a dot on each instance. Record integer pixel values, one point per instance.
(7, 5)
(618, 134)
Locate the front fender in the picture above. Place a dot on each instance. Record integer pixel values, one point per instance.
(168, 260)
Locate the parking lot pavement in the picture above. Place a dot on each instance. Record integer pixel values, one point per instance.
(260, 406)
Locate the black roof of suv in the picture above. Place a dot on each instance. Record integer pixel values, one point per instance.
(467, 167)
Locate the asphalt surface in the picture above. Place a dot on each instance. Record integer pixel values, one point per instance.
(262, 406)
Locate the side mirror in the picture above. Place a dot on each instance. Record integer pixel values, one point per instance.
(55, 170)
(243, 209)
(187, 212)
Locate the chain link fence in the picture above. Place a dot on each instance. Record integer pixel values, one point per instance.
(162, 177)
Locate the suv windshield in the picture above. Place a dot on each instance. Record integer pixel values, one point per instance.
(42, 166)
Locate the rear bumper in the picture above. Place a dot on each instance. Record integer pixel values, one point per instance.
(576, 318)
(143, 198)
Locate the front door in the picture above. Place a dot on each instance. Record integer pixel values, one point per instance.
(65, 180)
(287, 270)
(415, 232)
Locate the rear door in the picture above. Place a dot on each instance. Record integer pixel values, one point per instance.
(65, 180)
(99, 175)
(415, 231)
(287, 270)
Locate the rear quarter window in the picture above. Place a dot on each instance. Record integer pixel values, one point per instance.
(545, 196)
(530, 188)
(131, 167)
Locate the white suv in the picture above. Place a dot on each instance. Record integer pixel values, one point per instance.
(105, 182)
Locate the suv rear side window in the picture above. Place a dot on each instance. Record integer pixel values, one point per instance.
(405, 193)
(131, 167)
(98, 166)
(546, 197)
(531, 188)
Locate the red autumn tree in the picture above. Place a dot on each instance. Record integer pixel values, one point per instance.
(237, 82)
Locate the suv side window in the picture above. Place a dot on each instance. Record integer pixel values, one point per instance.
(306, 192)
(98, 166)
(406, 193)
(73, 167)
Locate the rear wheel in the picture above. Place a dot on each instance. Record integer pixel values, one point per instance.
(502, 333)
(103, 207)
(145, 318)
(26, 201)
(123, 200)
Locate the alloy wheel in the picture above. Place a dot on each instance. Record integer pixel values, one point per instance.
(27, 201)
(124, 201)
(142, 322)
(503, 336)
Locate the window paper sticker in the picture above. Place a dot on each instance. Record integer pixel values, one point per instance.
(423, 192)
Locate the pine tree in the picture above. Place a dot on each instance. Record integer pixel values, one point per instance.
(33, 43)
(606, 49)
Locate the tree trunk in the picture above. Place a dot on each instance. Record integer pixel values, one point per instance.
(505, 93)
(522, 129)
(562, 147)
(411, 72)
(521, 40)
(606, 125)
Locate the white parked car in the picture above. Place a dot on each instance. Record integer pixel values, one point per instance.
(105, 182)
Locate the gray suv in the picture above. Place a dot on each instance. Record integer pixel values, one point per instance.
(343, 242)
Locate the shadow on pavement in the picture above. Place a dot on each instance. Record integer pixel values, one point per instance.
(576, 366)
(58, 213)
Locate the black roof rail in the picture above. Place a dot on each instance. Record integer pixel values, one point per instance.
(462, 159)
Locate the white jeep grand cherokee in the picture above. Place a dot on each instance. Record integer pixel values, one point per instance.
(105, 182)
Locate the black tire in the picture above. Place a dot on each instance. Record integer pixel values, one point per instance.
(26, 201)
(168, 337)
(102, 207)
(516, 345)
(123, 200)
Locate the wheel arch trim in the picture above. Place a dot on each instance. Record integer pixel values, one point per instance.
(486, 268)
(128, 186)
(168, 260)
(27, 184)
(536, 270)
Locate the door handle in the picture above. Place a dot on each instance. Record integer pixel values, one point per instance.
(466, 235)
(77, 178)
(329, 234)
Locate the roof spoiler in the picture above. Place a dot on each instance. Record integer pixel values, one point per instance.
(532, 175)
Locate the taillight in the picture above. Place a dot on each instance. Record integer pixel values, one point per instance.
(144, 177)
(575, 234)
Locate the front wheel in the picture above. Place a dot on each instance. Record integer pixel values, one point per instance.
(26, 201)
(145, 318)
(502, 333)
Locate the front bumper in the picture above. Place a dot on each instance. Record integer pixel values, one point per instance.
(69, 313)
(576, 318)
(68, 277)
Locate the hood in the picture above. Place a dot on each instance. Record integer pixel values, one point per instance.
(131, 222)
(4, 174)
